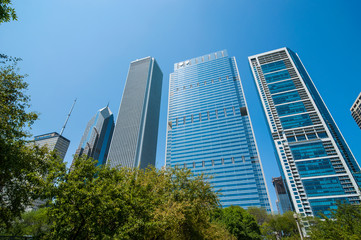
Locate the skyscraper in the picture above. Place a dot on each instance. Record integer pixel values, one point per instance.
(356, 110)
(134, 142)
(283, 200)
(97, 136)
(314, 159)
(54, 142)
(209, 129)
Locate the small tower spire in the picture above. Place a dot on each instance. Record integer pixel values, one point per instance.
(66, 121)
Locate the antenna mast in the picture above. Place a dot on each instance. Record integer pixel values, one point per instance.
(66, 121)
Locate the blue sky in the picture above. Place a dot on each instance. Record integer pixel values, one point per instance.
(82, 49)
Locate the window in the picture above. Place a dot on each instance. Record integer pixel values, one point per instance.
(184, 120)
(200, 117)
(192, 118)
(243, 111)
(194, 165)
(234, 110)
(243, 159)
(225, 112)
(233, 160)
(208, 115)
(203, 164)
(217, 114)
(212, 162)
(222, 161)
(176, 121)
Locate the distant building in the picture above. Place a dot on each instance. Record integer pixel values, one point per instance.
(53, 141)
(210, 130)
(356, 110)
(283, 200)
(317, 166)
(134, 142)
(97, 136)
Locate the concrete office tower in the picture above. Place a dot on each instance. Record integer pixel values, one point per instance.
(97, 136)
(210, 131)
(356, 110)
(314, 159)
(53, 141)
(134, 142)
(283, 201)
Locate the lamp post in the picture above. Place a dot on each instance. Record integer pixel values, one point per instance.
(298, 225)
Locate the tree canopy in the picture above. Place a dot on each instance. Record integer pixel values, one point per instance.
(23, 168)
(7, 13)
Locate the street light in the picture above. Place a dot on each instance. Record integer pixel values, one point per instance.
(298, 225)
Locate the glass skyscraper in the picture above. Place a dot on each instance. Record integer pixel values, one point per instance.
(209, 129)
(315, 162)
(97, 136)
(134, 142)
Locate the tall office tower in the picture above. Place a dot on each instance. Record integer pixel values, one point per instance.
(134, 142)
(356, 110)
(54, 141)
(283, 201)
(210, 131)
(314, 159)
(97, 136)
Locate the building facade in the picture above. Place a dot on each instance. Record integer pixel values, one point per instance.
(209, 129)
(314, 159)
(96, 139)
(134, 142)
(283, 200)
(54, 142)
(356, 110)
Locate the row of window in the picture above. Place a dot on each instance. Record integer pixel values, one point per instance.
(210, 163)
(205, 83)
(198, 117)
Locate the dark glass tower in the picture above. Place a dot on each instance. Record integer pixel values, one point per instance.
(316, 164)
(97, 136)
(134, 142)
(210, 131)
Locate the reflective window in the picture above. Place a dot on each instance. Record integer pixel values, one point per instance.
(277, 76)
(296, 121)
(281, 87)
(286, 97)
(308, 150)
(315, 167)
(271, 67)
(293, 108)
(323, 186)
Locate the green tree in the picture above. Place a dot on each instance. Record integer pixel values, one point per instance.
(343, 224)
(7, 13)
(104, 203)
(239, 223)
(280, 226)
(22, 168)
(260, 214)
(33, 223)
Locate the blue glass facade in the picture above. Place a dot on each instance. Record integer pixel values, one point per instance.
(314, 159)
(97, 136)
(209, 129)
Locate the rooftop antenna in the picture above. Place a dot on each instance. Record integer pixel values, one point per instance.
(66, 121)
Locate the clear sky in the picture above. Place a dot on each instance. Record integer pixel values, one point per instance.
(82, 49)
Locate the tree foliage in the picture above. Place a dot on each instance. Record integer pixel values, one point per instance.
(343, 224)
(282, 226)
(23, 168)
(104, 203)
(239, 223)
(7, 13)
